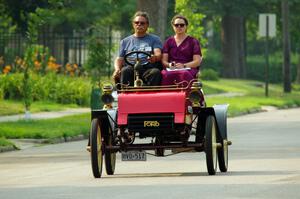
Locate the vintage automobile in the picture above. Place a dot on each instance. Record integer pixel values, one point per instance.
(164, 117)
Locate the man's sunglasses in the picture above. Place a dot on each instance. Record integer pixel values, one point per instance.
(179, 25)
(139, 23)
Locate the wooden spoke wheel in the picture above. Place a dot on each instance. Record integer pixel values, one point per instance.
(110, 157)
(96, 148)
(211, 145)
(223, 156)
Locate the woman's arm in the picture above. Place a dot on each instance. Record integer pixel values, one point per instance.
(192, 64)
(197, 59)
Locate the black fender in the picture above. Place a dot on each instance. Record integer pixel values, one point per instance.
(219, 112)
(221, 118)
(107, 119)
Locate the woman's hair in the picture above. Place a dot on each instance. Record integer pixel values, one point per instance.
(178, 16)
(141, 14)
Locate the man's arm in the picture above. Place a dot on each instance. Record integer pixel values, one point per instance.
(119, 61)
(156, 55)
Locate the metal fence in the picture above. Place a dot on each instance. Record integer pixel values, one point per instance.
(66, 48)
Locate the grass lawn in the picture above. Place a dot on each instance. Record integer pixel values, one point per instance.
(9, 107)
(5, 143)
(52, 128)
(253, 96)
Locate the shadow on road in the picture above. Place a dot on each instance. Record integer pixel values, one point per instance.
(160, 175)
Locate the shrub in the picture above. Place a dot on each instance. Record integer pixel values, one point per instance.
(255, 65)
(209, 74)
(50, 87)
(98, 59)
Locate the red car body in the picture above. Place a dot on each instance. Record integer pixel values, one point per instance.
(152, 102)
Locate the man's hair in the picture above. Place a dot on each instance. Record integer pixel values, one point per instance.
(141, 14)
(178, 16)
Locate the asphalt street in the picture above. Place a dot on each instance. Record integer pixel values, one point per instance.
(264, 162)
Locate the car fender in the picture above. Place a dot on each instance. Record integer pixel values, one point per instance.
(106, 117)
(221, 118)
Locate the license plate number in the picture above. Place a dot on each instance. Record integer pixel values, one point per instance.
(134, 156)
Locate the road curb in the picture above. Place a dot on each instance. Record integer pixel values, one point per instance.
(41, 141)
(65, 139)
(7, 148)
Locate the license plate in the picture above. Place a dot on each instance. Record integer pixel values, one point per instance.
(134, 156)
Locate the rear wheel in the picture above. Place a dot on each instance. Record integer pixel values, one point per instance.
(211, 145)
(110, 157)
(96, 148)
(223, 156)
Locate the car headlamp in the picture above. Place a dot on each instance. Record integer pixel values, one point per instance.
(107, 97)
(195, 95)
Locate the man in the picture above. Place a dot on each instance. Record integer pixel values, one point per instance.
(140, 41)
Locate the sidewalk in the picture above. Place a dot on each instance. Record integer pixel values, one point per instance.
(45, 115)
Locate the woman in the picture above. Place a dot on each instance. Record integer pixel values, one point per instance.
(180, 51)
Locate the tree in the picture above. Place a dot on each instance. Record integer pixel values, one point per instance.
(295, 33)
(195, 29)
(19, 11)
(69, 15)
(157, 10)
(231, 16)
(286, 47)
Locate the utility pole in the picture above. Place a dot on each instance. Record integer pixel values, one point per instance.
(286, 47)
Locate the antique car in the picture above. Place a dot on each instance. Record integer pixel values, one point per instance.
(165, 117)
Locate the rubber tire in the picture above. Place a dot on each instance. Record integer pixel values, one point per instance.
(210, 145)
(96, 148)
(110, 158)
(223, 157)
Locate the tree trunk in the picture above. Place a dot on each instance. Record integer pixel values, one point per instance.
(157, 10)
(233, 46)
(286, 47)
(298, 70)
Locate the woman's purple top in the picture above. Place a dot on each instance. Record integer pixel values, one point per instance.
(181, 54)
(184, 52)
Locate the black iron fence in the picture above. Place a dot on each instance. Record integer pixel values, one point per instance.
(65, 48)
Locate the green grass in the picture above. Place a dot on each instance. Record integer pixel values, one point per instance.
(253, 96)
(47, 129)
(9, 107)
(5, 142)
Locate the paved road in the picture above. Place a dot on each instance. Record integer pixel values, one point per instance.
(264, 163)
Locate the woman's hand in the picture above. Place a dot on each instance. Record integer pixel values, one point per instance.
(179, 65)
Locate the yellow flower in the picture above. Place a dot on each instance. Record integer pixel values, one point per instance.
(37, 65)
(18, 61)
(7, 69)
(69, 67)
(52, 59)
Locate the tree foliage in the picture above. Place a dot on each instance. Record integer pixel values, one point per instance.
(188, 9)
(71, 15)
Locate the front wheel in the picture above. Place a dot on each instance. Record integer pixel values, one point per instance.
(223, 156)
(96, 148)
(211, 145)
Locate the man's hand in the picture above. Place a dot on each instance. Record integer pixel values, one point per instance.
(117, 73)
(116, 76)
(152, 59)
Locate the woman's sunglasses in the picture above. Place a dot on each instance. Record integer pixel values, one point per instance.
(179, 25)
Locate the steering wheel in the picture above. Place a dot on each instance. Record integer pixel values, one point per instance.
(136, 54)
